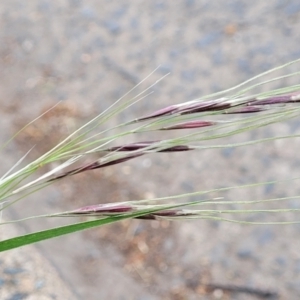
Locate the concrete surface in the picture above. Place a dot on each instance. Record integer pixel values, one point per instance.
(88, 54)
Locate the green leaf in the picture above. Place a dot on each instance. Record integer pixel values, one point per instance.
(35, 237)
(59, 231)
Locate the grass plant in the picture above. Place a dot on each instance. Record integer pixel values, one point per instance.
(199, 124)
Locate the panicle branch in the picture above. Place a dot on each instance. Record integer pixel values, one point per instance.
(224, 106)
(111, 209)
(187, 115)
(248, 105)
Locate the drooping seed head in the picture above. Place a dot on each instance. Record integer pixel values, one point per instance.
(190, 124)
(142, 145)
(205, 107)
(162, 112)
(170, 214)
(117, 161)
(282, 99)
(245, 110)
(103, 209)
(131, 147)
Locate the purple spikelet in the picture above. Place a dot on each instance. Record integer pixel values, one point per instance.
(189, 125)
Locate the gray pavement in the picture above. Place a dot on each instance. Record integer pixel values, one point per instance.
(89, 53)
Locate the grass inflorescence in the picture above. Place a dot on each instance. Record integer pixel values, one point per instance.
(199, 124)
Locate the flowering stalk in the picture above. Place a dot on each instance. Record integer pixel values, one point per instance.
(213, 117)
(142, 209)
(109, 209)
(167, 211)
(224, 105)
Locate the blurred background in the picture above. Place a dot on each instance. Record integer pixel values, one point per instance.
(87, 54)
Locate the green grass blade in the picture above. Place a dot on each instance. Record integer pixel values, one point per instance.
(39, 236)
(35, 237)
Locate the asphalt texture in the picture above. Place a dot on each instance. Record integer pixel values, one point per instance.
(87, 54)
